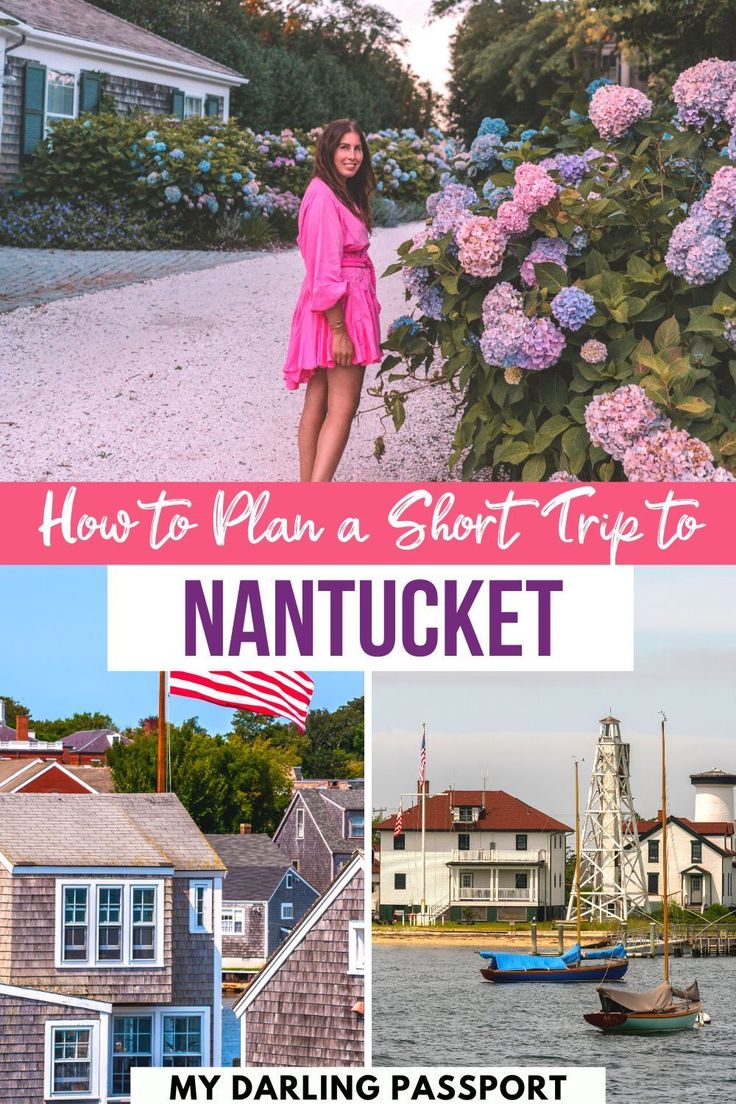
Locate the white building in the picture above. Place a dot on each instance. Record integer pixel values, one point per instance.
(487, 855)
(701, 859)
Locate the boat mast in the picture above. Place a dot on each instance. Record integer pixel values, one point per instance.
(665, 899)
(577, 849)
(424, 826)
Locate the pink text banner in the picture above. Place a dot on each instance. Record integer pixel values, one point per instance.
(364, 523)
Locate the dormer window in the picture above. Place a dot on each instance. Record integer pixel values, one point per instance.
(465, 814)
(355, 825)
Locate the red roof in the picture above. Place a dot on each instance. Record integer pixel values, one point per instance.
(500, 812)
(702, 828)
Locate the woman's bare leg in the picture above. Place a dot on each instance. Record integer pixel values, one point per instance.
(344, 386)
(311, 422)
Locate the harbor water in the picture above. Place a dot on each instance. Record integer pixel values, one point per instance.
(432, 1008)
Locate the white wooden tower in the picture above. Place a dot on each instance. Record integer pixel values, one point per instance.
(612, 880)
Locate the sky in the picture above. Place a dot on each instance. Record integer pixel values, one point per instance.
(525, 730)
(428, 51)
(52, 655)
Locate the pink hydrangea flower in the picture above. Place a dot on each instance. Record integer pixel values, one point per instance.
(668, 456)
(613, 109)
(533, 187)
(616, 420)
(541, 345)
(512, 218)
(704, 91)
(481, 245)
(594, 352)
(563, 477)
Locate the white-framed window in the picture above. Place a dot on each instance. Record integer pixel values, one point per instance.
(289, 880)
(200, 906)
(71, 1059)
(287, 910)
(100, 922)
(356, 824)
(193, 106)
(155, 1037)
(300, 824)
(356, 947)
(233, 920)
(60, 97)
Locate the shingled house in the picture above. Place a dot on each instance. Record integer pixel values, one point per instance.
(109, 944)
(306, 1007)
(59, 57)
(321, 829)
(264, 898)
(42, 776)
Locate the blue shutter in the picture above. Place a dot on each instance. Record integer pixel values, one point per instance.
(34, 107)
(177, 103)
(212, 106)
(90, 91)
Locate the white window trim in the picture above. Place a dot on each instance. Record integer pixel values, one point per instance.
(157, 1033)
(127, 962)
(194, 926)
(287, 905)
(237, 912)
(194, 96)
(356, 928)
(50, 119)
(94, 1059)
(300, 824)
(289, 880)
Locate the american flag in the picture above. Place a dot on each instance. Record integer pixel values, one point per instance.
(422, 759)
(399, 822)
(276, 693)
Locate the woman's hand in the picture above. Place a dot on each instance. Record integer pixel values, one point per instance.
(342, 348)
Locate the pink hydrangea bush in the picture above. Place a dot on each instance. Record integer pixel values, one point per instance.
(613, 109)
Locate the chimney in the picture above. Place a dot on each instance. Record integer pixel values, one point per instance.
(426, 787)
(245, 829)
(21, 728)
(150, 726)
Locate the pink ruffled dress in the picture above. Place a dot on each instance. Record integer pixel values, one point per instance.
(334, 245)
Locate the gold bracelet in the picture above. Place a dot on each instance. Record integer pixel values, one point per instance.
(337, 327)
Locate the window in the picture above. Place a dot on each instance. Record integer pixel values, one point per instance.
(160, 1037)
(200, 907)
(653, 851)
(59, 96)
(521, 880)
(466, 881)
(143, 927)
(356, 825)
(400, 842)
(521, 841)
(182, 1040)
(233, 921)
(106, 923)
(696, 851)
(356, 947)
(109, 923)
(653, 884)
(132, 1045)
(465, 813)
(289, 880)
(463, 841)
(399, 881)
(300, 824)
(193, 106)
(70, 1064)
(287, 910)
(76, 926)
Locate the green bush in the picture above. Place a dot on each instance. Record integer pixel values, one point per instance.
(84, 224)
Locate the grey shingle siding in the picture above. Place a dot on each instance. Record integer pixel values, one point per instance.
(11, 123)
(251, 943)
(21, 1053)
(301, 895)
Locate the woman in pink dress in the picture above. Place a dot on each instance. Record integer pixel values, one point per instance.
(335, 330)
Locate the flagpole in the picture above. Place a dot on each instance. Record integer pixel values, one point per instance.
(424, 827)
(161, 752)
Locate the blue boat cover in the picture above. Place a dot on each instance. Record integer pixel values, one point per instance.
(500, 960)
(619, 951)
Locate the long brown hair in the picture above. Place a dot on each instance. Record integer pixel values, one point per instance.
(353, 192)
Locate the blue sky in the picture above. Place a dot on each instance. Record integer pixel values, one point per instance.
(524, 731)
(52, 654)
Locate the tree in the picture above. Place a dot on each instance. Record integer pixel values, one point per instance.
(222, 782)
(331, 746)
(13, 709)
(674, 33)
(78, 722)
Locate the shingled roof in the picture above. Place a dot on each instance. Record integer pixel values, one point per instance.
(255, 865)
(327, 821)
(76, 19)
(15, 773)
(116, 830)
(500, 812)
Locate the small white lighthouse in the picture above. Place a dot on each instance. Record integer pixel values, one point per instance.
(713, 796)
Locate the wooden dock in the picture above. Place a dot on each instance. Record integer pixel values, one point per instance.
(712, 941)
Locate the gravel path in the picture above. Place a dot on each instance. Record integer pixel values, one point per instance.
(179, 378)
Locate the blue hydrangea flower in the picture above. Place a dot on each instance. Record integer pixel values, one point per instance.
(404, 320)
(172, 194)
(484, 150)
(495, 196)
(204, 166)
(430, 302)
(212, 205)
(572, 307)
(508, 164)
(498, 127)
(237, 177)
(527, 135)
(177, 154)
(571, 167)
(160, 147)
(197, 189)
(153, 178)
(594, 85)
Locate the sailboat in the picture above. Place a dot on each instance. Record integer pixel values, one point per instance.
(605, 964)
(665, 1008)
